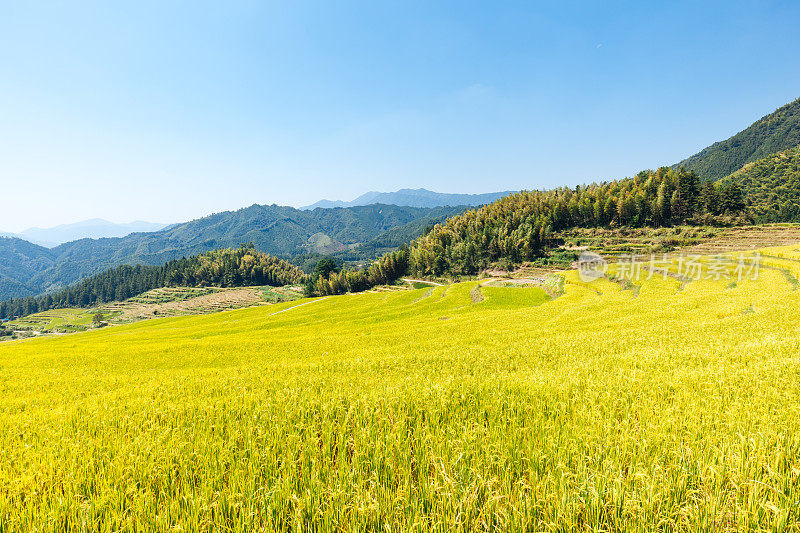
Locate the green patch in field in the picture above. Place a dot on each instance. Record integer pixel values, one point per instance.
(513, 297)
(276, 295)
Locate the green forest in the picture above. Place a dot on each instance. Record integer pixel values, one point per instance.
(521, 226)
(229, 267)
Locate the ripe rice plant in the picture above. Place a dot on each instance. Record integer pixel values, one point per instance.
(671, 407)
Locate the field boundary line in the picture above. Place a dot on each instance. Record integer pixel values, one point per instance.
(409, 280)
(298, 305)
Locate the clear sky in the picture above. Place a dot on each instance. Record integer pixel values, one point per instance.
(166, 111)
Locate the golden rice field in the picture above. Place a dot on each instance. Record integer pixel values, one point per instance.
(673, 406)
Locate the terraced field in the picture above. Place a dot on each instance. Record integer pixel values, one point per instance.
(664, 403)
(167, 301)
(61, 320)
(172, 294)
(687, 239)
(194, 301)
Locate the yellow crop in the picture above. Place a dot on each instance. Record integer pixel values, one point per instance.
(674, 406)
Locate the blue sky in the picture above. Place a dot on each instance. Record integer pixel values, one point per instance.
(166, 111)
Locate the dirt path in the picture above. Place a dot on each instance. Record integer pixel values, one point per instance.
(298, 305)
(409, 280)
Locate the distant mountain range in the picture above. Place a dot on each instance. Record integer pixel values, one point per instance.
(413, 198)
(95, 228)
(27, 269)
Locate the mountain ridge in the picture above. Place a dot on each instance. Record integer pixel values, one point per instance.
(772, 133)
(412, 198)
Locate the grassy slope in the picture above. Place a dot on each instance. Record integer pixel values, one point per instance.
(605, 408)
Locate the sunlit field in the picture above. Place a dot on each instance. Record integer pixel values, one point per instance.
(670, 405)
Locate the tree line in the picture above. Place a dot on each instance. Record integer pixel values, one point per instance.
(328, 279)
(522, 226)
(228, 267)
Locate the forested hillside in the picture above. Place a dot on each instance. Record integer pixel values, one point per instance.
(773, 133)
(20, 261)
(521, 226)
(29, 270)
(386, 242)
(771, 186)
(243, 266)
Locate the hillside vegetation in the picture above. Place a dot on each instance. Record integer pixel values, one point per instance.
(771, 186)
(223, 268)
(361, 233)
(670, 405)
(773, 133)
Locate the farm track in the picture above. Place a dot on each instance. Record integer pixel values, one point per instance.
(299, 305)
